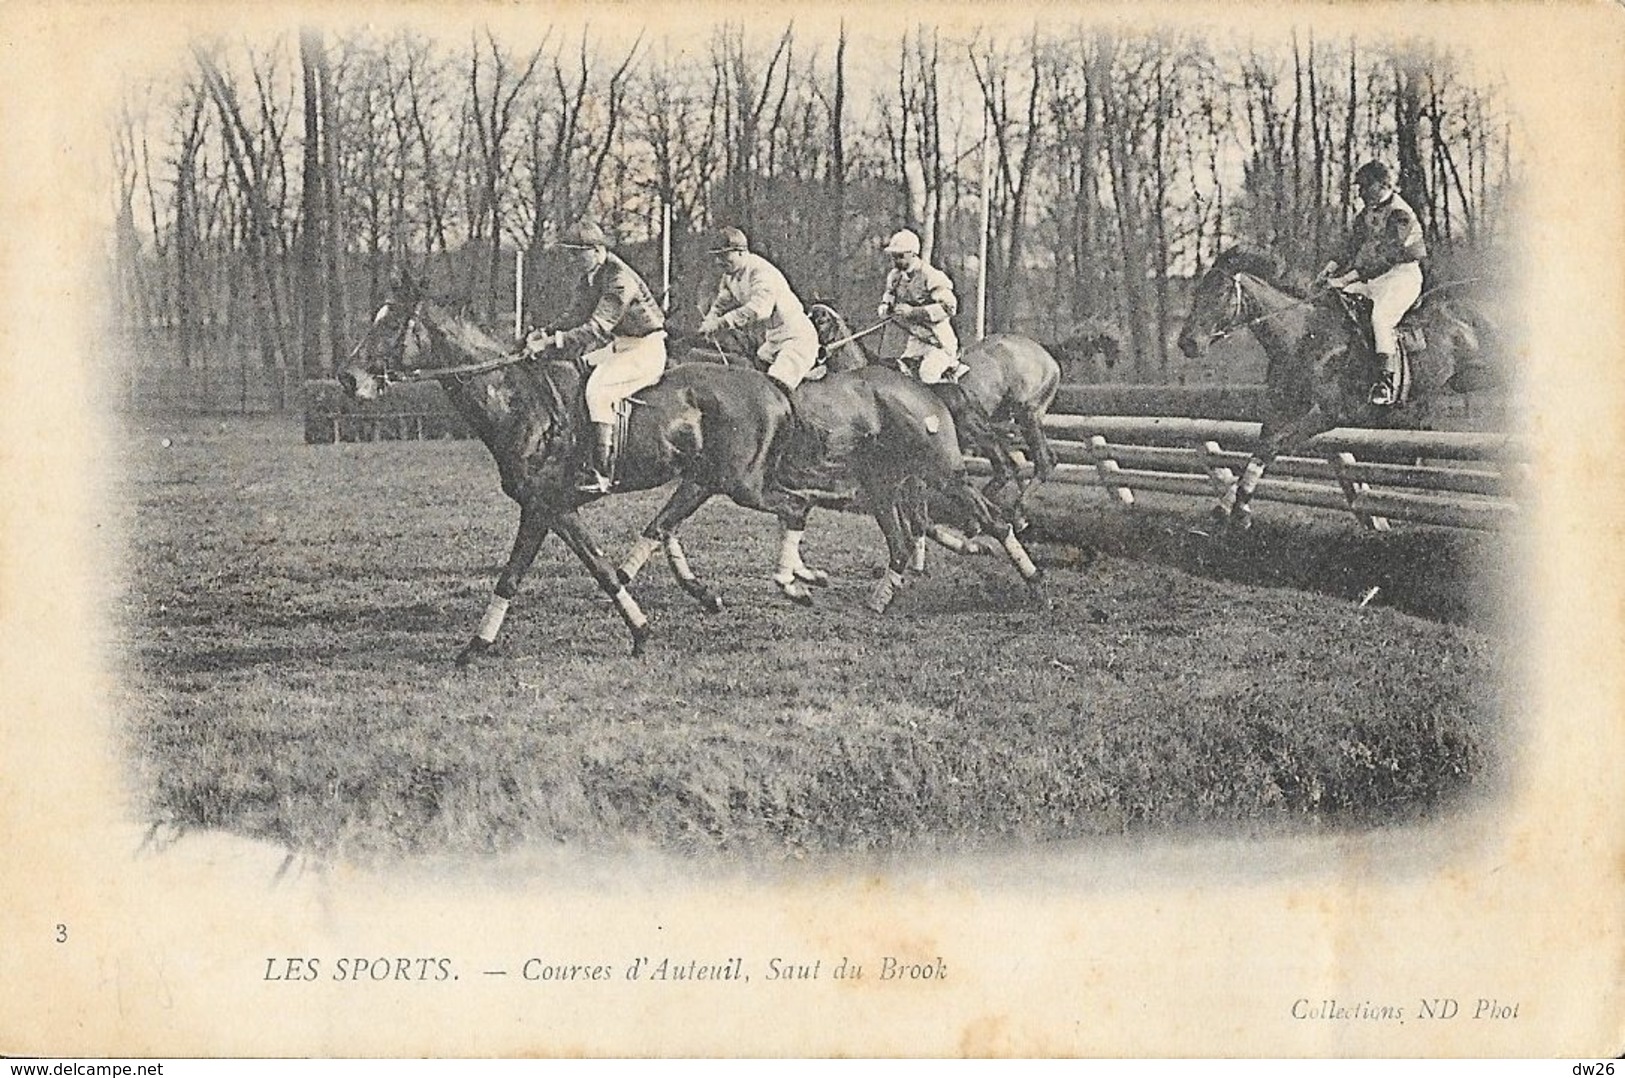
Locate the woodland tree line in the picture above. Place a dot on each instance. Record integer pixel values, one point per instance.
(265, 189)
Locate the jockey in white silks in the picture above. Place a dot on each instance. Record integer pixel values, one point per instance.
(754, 297)
(1383, 262)
(919, 301)
(617, 328)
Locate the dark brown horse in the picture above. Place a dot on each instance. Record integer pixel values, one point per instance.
(714, 429)
(1318, 374)
(1007, 391)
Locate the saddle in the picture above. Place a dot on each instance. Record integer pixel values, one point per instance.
(1412, 339)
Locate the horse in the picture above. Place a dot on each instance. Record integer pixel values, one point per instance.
(712, 428)
(841, 431)
(1319, 374)
(1008, 389)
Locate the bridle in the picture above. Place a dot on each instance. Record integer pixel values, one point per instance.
(1237, 317)
(414, 324)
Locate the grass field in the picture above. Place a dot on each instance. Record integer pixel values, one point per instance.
(287, 615)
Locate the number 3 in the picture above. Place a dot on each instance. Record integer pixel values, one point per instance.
(62, 933)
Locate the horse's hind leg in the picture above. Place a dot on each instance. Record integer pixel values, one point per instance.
(898, 548)
(792, 575)
(527, 541)
(684, 502)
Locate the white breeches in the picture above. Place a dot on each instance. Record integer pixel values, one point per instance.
(934, 363)
(625, 366)
(789, 359)
(1392, 294)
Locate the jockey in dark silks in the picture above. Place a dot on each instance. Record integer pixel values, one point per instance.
(1383, 262)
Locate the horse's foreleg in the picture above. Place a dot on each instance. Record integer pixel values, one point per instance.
(1273, 440)
(569, 527)
(981, 511)
(527, 541)
(662, 532)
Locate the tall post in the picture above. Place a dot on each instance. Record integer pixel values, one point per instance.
(981, 258)
(665, 256)
(518, 292)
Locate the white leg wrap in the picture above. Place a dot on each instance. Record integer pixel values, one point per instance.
(949, 538)
(629, 608)
(642, 550)
(1251, 475)
(1018, 554)
(495, 612)
(678, 560)
(789, 555)
(918, 563)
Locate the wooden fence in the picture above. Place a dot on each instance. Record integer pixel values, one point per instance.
(1454, 479)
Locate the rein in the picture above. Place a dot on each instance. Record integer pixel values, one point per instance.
(423, 374)
(1239, 310)
(1238, 305)
(855, 336)
(841, 342)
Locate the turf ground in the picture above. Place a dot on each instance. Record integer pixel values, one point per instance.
(286, 615)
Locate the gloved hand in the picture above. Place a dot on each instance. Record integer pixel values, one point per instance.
(904, 311)
(709, 325)
(538, 341)
(883, 310)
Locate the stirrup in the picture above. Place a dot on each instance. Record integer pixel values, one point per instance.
(1382, 393)
(594, 482)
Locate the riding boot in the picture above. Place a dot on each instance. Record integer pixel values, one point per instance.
(595, 477)
(1386, 390)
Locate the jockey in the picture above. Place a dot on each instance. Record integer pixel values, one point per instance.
(616, 328)
(753, 296)
(1383, 261)
(919, 301)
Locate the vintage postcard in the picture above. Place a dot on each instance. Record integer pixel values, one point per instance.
(808, 529)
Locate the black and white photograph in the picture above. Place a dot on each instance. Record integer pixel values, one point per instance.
(813, 530)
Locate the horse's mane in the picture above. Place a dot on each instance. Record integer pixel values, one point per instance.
(464, 333)
(1265, 265)
(1253, 260)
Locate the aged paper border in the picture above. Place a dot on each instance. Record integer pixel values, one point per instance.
(1160, 948)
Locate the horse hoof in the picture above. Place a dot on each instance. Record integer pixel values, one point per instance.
(816, 577)
(471, 651)
(711, 604)
(881, 595)
(980, 545)
(624, 577)
(795, 592)
(640, 639)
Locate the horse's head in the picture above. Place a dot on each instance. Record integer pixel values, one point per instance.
(1219, 303)
(396, 329)
(848, 353)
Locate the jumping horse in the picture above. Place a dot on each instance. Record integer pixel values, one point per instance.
(1319, 373)
(715, 429)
